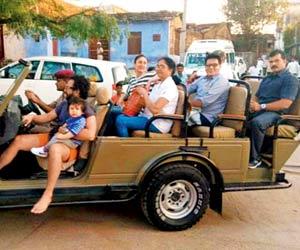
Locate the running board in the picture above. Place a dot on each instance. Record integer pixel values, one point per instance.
(233, 187)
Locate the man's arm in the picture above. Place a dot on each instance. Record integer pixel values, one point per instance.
(195, 102)
(272, 106)
(39, 119)
(216, 90)
(192, 88)
(89, 132)
(67, 135)
(37, 100)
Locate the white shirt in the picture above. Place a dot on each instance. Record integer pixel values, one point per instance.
(226, 71)
(253, 71)
(293, 67)
(168, 90)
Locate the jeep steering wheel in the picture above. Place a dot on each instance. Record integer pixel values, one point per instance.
(33, 107)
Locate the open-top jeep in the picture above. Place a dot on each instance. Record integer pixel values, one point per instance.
(174, 176)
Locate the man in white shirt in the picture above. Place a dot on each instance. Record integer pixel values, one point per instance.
(253, 71)
(293, 67)
(225, 70)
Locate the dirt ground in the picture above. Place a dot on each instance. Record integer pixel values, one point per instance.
(250, 220)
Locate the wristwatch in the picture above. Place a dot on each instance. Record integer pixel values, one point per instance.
(263, 106)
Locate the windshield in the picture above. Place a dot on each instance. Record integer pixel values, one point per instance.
(194, 60)
(15, 70)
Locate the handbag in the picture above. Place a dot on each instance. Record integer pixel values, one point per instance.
(134, 104)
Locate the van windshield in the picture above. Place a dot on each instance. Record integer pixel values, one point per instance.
(195, 60)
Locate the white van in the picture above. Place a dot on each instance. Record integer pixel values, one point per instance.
(195, 56)
(41, 78)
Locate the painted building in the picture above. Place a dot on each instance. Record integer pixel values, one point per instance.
(207, 31)
(154, 34)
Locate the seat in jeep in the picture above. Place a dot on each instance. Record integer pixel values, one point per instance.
(178, 118)
(99, 98)
(289, 123)
(234, 117)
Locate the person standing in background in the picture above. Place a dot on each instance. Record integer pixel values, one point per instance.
(179, 73)
(99, 51)
(225, 70)
(293, 67)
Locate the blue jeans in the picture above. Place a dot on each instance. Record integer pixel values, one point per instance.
(257, 127)
(110, 127)
(126, 123)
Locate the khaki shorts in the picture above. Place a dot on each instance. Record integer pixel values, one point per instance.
(43, 140)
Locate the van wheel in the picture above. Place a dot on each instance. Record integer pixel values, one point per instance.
(176, 197)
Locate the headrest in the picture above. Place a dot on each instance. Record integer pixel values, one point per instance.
(93, 89)
(102, 95)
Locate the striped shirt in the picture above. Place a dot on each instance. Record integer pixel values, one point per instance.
(140, 81)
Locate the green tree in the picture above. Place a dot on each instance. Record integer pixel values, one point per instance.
(31, 17)
(250, 16)
(289, 35)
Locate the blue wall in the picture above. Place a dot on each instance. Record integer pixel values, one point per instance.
(151, 49)
(33, 48)
(66, 47)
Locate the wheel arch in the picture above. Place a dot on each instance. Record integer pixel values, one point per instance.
(199, 161)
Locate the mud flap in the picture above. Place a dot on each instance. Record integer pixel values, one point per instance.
(216, 199)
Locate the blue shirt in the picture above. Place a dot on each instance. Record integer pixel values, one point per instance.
(182, 77)
(62, 112)
(213, 93)
(75, 125)
(278, 86)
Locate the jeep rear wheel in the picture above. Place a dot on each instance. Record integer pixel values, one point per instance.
(176, 197)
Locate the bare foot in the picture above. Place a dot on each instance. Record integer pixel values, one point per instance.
(42, 205)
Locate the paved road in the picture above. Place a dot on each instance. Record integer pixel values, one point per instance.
(250, 220)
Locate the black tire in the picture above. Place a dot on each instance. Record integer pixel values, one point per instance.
(176, 197)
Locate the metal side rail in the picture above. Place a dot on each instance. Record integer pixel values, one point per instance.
(249, 186)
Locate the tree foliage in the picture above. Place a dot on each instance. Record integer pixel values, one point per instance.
(251, 15)
(289, 35)
(31, 17)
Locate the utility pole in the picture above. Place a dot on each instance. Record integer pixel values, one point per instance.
(183, 33)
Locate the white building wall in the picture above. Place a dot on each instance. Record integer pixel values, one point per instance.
(14, 47)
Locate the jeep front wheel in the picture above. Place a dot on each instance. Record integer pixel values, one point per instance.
(176, 197)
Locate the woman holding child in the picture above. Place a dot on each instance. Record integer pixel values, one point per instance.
(161, 100)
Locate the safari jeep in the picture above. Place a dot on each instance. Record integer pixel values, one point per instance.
(175, 177)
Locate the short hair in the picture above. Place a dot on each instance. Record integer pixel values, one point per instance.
(170, 63)
(74, 100)
(213, 56)
(119, 83)
(64, 74)
(276, 52)
(138, 57)
(151, 68)
(81, 84)
(220, 53)
(179, 65)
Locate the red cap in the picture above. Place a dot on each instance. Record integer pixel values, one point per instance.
(64, 73)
